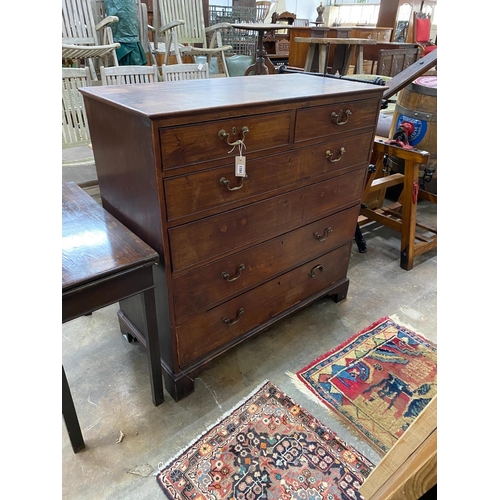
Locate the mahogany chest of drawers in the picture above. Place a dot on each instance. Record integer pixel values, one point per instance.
(237, 253)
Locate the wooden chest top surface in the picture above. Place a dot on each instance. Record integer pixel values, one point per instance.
(156, 100)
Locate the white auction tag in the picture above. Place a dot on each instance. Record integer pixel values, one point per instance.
(240, 166)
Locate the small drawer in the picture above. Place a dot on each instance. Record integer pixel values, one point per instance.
(366, 34)
(384, 35)
(217, 281)
(204, 190)
(210, 330)
(184, 145)
(333, 119)
(197, 242)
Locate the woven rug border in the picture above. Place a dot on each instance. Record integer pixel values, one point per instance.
(163, 465)
(376, 444)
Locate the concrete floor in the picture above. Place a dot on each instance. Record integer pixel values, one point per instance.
(110, 386)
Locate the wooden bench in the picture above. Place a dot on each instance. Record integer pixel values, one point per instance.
(319, 45)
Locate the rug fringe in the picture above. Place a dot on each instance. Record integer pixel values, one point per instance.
(344, 343)
(163, 465)
(396, 319)
(304, 389)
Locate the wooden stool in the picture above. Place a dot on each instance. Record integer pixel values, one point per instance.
(402, 215)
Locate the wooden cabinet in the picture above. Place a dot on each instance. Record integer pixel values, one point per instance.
(398, 14)
(236, 253)
(380, 34)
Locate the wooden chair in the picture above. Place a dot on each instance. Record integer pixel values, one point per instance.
(83, 38)
(183, 26)
(416, 238)
(186, 71)
(129, 75)
(262, 8)
(422, 33)
(75, 130)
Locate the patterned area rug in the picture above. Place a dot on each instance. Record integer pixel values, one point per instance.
(378, 381)
(267, 448)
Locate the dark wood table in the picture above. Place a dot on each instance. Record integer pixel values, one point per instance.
(103, 262)
(262, 62)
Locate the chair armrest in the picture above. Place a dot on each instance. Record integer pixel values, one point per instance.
(106, 21)
(218, 26)
(205, 51)
(421, 48)
(172, 24)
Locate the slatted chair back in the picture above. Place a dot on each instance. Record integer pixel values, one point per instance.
(301, 22)
(177, 72)
(129, 75)
(86, 35)
(78, 23)
(74, 119)
(185, 33)
(262, 8)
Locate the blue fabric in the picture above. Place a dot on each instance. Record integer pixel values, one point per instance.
(126, 32)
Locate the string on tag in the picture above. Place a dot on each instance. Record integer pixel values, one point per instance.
(237, 143)
(241, 145)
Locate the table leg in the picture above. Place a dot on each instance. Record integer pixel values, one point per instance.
(359, 60)
(322, 58)
(259, 68)
(347, 58)
(310, 57)
(409, 200)
(70, 417)
(153, 346)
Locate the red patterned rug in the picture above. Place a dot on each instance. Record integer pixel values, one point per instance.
(267, 448)
(378, 381)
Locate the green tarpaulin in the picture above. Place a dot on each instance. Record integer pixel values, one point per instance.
(126, 32)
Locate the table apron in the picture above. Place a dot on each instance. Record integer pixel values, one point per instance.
(95, 295)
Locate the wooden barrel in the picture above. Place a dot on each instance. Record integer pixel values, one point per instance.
(417, 104)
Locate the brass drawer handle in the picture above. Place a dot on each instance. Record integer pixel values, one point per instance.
(225, 135)
(336, 117)
(225, 182)
(319, 267)
(326, 233)
(225, 275)
(229, 322)
(329, 155)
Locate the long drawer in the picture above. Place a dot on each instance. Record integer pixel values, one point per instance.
(210, 330)
(217, 281)
(184, 145)
(200, 241)
(207, 189)
(321, 121)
